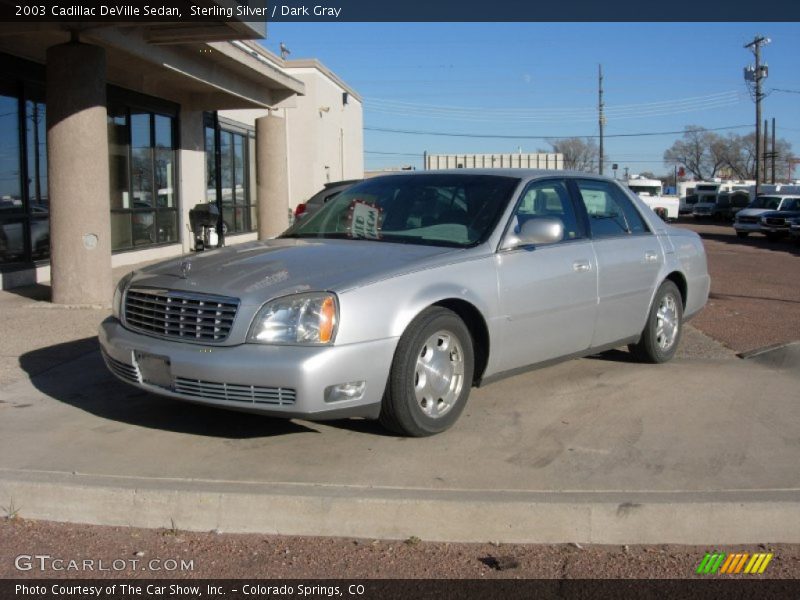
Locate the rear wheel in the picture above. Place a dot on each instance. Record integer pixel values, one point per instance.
(431, 375)
(662, 332)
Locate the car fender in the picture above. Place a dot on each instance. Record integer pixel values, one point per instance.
(384, 309)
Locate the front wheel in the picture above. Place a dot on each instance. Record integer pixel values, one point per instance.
(662, 332)
(431, 375)
(741, 234)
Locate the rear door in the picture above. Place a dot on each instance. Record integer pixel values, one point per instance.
(629, 260)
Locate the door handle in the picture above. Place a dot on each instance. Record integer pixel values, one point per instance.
(581, 266)
(650, 257)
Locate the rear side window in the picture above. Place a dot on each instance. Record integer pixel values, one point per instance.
(611, 213)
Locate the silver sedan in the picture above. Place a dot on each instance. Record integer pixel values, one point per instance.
(407, 290)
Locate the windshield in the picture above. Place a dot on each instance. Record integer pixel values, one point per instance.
(437, 210)
(769, 202)
(792, 204)
(645, 190)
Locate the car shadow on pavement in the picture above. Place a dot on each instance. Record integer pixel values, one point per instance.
(96, 391)
(615, 355)
(755, 240)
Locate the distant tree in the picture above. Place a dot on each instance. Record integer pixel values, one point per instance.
(703, 153)
(579, 154)
(740, 156)
(699, 150)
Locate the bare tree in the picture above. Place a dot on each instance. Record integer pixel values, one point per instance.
(579, 154)
(703, 153)
(699, 150)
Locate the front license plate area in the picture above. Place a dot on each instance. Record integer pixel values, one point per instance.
(155, 369)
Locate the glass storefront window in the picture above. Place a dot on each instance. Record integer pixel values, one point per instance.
(164, 162)
(24, 202)
(237, 165)
(10, 196)
(211, 167)
(143, 178)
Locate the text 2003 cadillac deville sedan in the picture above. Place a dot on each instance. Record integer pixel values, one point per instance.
(405, 291)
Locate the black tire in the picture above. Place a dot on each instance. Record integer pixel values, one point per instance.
(741, 234)
(773, 237)
(403, 411)
(658, 345)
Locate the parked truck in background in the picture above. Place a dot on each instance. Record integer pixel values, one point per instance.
(651, 193)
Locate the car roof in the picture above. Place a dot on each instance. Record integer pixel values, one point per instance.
(517, 173)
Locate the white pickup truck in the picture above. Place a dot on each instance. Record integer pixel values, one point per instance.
(650, 191)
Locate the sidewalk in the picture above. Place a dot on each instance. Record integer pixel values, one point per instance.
(702, 450)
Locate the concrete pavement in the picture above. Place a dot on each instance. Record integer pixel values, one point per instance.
(702, 450)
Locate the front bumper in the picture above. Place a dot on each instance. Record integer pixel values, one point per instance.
(748, 227)
(285, 381)
(774, 229)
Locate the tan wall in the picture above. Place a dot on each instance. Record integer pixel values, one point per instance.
(318, 139)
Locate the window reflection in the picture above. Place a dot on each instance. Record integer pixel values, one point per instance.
(237, 164)
(143, 179)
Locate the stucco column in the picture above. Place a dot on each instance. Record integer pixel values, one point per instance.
(77, 169)
(272, 182)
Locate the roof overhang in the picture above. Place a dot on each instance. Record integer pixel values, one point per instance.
(200, 75)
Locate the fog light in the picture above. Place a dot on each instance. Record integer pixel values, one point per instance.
(345, 391)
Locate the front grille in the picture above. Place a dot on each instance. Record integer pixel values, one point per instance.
(122, 370)
(775, 221)
(234, 392)
(180, 315)
(748, 219)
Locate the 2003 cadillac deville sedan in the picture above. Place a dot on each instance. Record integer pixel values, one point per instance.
(407, 290)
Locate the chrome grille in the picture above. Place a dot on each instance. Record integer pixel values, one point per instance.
(180, 315)
(234, 392)
(122, 370)
(747, 219)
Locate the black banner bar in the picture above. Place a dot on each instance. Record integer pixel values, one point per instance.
(744, 588)
(198, 11)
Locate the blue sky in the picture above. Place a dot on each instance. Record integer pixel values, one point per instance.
(541, 79)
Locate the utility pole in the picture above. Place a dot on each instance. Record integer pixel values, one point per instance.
(601, 117)
(756, 75)
(774, 151)
(765, 154)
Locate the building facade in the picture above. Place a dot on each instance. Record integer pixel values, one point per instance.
(110, 136)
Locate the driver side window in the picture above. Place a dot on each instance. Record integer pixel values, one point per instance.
(548, 199)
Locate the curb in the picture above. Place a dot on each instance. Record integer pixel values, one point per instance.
(784, 356)
(682, 517)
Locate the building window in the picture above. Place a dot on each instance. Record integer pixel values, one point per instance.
(236, 174)
(142, 162)
(24, 204)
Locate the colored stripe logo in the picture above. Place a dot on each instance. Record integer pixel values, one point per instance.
(734, 564)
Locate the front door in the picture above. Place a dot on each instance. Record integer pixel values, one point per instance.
(548, 293)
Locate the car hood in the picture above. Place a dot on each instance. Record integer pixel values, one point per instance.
(257, 271)
(784, 214)
(752, 212)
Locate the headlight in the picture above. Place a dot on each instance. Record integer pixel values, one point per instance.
(119, 292)
(308, 318)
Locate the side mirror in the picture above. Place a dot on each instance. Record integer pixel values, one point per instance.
(544, 230)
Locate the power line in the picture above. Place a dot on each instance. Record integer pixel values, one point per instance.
(544, 137)
(550, 115)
